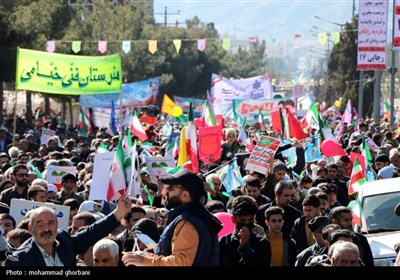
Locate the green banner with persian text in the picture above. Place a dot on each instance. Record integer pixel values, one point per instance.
(68, 74)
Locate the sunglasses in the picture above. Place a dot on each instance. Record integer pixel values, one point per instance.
(21, 175)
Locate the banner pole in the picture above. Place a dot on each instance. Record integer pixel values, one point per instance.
(121, 120)
(15, 117)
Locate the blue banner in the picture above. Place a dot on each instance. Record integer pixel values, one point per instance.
(136, 94)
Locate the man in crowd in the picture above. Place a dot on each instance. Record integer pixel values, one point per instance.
(190, 238)
(50, 246)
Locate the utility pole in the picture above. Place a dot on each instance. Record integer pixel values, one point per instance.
(393, 70)
(377, 95)
(166, 14)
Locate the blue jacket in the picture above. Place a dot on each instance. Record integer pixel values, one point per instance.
(207, 227)
(28, 254)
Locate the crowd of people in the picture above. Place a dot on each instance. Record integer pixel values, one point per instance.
(279, 220)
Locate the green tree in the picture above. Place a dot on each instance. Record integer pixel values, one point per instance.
(188, 73)
(342, 77)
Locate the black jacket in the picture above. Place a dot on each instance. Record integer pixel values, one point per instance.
(28, 254)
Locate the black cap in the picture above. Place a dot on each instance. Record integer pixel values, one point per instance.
(68, 176)
(152, 187)
(188, 180)
(318, 223)
(382, 158)
(329, 188)
(147, 226)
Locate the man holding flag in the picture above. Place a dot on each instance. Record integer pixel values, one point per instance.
(191, 235)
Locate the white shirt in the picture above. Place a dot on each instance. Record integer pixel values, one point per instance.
(48, 259)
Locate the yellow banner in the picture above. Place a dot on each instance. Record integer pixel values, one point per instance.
(68, 74)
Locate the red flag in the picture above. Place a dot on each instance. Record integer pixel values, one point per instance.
(276, 122)
(210, 143)
(294, 127)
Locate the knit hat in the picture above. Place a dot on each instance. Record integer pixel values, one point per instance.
(386, 172)
(230, 131)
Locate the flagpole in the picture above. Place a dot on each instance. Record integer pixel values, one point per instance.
(222, 165)
(121, 116)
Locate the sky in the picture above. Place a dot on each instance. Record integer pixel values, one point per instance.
(271, 20)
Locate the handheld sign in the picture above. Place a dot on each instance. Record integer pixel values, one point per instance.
(19, 208)
(262, 154)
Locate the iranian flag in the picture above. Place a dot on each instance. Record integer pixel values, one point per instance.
(366, 153)
(191, 136)
(84, 122)
(208, 115)
(127, 141)
(357, 178)
(236, 118)
(261, 120)
(117, 183)
(172, 149)
(137, 128)
(358, 214)
(172, 170)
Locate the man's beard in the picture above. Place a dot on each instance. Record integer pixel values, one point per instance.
(22, 183)
(172, 202)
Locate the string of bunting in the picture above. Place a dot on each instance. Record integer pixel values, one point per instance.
(76, 46)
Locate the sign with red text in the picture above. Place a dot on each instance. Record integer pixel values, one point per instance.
(262, 153)
(372, 35)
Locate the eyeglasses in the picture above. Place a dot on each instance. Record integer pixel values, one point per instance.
(23, 175)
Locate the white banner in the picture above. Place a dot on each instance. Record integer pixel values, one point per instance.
(155, 167)
(372, 35)
(55, 173)
(262, 153)
(101, 175)
(19, 207)
(46, 135)
(224, 90)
